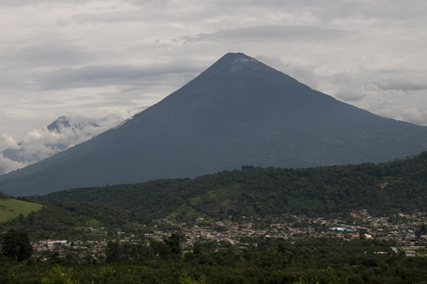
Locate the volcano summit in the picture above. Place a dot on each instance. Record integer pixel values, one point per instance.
(237, 112)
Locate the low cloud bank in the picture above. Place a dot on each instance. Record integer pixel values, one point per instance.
(63, 133)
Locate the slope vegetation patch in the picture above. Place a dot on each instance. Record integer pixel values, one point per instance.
(11, 208)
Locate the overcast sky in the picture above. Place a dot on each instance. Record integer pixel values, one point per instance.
(96, 58)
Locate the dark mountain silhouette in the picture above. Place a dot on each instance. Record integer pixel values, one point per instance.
(237, 112)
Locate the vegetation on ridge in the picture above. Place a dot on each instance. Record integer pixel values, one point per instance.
(11, 208)
(253, 191)
(75, 220)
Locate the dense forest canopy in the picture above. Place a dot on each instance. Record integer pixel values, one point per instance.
(254, 191)
(270, 261)
(73, 220)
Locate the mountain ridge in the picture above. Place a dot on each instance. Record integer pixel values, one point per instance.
(237, 112)
(396, 186)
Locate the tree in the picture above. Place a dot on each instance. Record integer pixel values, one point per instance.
(58, 275)
(173, 242)
(421, 231)
(16, 245)
(113, 252)
(187, 280)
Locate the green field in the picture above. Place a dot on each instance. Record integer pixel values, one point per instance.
(11, 208)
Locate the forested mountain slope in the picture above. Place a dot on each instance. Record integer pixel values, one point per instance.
(74, 220)
(254, 191)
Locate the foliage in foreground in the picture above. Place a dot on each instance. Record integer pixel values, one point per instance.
(16, 246)
(272, 261)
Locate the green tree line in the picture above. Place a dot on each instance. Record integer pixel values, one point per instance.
(253, 191)
(269, 261)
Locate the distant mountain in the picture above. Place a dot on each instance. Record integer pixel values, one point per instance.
(64, 122)
(237, 112)
(64, 132)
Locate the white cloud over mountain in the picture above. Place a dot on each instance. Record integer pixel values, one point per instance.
(40, 144)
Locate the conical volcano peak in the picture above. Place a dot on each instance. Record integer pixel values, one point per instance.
(231, 57)
(237, 112)
(236, 62)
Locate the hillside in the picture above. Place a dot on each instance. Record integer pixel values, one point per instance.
(11, 208)
(237, 112)
(75, 220)
(392, 187)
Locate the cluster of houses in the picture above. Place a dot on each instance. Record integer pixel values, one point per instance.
(400, 230)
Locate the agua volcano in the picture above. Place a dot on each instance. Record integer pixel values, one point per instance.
(237, 112)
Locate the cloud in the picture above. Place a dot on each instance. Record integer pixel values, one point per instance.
(269, 34)
(17, 3)
(40, 144)
(350, 93)
(414, 115)
(148, 12)
(350, 87)
(107, 75)
(111, 17)
(8, 142)
(45, 52)
(402, 84)
(7, 165)
(306, 75)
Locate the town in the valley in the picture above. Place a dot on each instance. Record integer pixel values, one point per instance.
(406, 233)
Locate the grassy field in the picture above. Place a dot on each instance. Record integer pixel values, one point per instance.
(11, 208)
